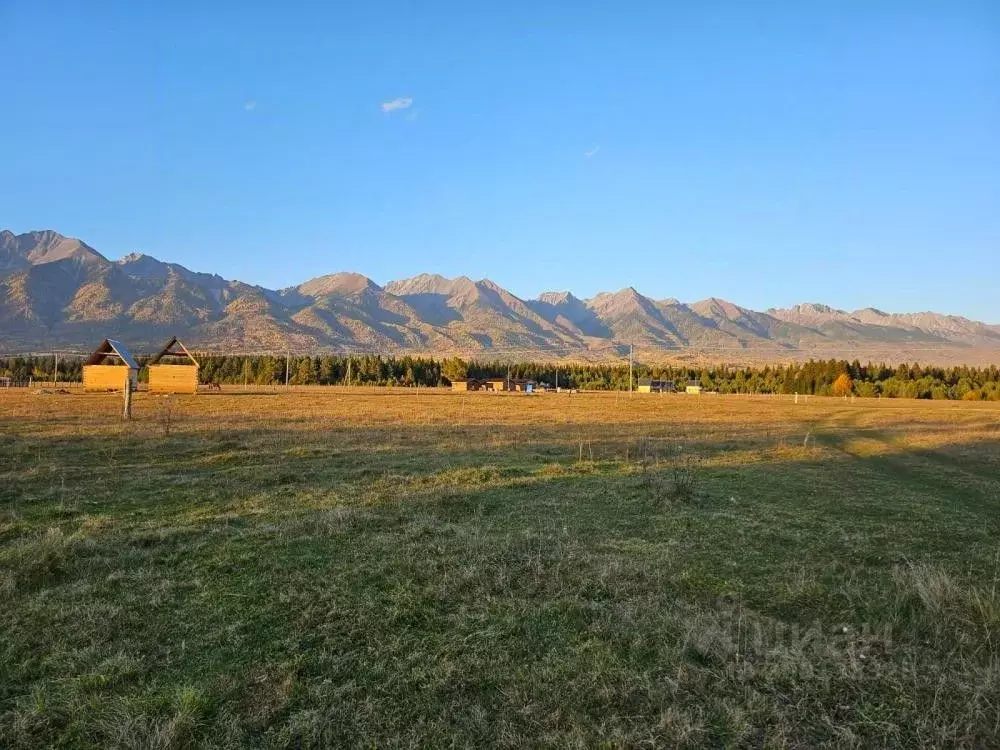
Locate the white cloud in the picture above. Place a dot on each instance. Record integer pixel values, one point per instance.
(591, 151)
(400, 102)
(250, 106)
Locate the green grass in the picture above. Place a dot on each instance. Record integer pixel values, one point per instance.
(349, 568)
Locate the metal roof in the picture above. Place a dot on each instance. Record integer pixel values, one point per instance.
(112, 348)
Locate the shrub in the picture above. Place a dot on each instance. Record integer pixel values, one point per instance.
(842, 385)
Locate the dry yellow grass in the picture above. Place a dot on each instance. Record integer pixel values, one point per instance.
(305, 408)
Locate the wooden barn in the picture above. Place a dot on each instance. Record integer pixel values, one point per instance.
(109, 368)
(465, 384)
(173, 370)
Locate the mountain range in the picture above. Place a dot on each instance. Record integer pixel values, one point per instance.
(56, 291)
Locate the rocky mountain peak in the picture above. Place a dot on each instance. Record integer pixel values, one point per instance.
(558, 298)
(58, 290)
(345, 283)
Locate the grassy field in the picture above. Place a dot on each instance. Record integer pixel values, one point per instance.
(354, 567)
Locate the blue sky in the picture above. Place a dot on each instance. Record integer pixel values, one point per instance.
(845, 152)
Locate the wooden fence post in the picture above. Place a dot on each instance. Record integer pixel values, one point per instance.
(127, 413)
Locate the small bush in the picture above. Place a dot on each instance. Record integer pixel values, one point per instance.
(681, 485)
(165, 415)
(684, 479)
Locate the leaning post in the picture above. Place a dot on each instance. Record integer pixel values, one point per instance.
(127, 413)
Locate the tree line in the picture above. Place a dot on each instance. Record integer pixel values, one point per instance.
(815, 377)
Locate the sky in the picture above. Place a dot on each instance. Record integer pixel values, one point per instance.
(769, 153)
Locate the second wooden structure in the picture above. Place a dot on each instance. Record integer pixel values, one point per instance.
(173, 370)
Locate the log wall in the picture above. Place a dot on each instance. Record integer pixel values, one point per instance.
(173, 378)
(105, 377)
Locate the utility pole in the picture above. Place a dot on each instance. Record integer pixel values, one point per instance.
(630, 368)
(348, 369)
(287, 356)
(246, 364)
(55, 369)
(557, 377)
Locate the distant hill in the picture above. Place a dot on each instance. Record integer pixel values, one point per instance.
(57, 291)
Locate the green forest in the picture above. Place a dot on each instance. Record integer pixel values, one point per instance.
(815, 377)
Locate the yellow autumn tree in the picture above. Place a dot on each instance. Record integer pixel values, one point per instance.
(842, 385)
